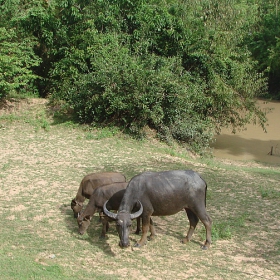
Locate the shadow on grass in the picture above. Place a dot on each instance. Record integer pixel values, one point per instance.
(70, 221)
(177, 228)
(163, 226)
(93, 231)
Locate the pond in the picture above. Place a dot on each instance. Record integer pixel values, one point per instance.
(252, 143)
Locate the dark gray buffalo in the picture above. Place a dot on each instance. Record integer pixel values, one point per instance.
(89, 183)
(162, 194)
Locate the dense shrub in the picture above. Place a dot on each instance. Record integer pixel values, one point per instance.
(16, 62)
(130, 91)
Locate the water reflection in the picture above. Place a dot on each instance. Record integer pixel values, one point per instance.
(253, 143)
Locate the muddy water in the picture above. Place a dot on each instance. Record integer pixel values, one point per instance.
(253, 143)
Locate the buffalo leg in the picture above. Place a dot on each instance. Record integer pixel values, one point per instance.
(152, 230)
(105, 227)
(207, 222)
(138, 226)
(145, 229)
(193, 222)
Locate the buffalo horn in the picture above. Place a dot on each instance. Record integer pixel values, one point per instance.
(138, 213)
(108, 213)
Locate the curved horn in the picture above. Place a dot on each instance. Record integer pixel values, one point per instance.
(108, 213)
(138, 213)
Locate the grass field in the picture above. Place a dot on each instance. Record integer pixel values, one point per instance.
(41, 166)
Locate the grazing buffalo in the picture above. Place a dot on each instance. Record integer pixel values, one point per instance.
(91, 182)
(161, 194)
(95, 204)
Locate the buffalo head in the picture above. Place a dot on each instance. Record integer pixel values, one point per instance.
(123, 222)
(83, 223)
(76, 207)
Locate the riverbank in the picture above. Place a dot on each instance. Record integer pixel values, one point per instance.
(252, 143)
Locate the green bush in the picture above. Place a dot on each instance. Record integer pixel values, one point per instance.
(132, 92)
(16, 62)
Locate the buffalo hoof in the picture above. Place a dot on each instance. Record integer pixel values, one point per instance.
(137, 245)
(203, 247)
(184, 240)
(150, 238)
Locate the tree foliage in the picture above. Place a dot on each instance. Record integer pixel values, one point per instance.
(17, 57)
(183, 68)
(263, 42)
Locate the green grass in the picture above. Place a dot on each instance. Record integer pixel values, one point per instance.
(269, 193)
(41, 165)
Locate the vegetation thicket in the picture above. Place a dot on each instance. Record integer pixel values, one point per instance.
(183, 68)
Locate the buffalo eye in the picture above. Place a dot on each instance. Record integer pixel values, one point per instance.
(119, 223)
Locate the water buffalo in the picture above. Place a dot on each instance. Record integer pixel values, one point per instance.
(161, 194)
(91, 182)
(95, 204)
